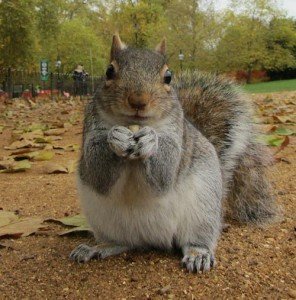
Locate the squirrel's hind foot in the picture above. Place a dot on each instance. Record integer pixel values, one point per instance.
(197, 259)
(84, 253)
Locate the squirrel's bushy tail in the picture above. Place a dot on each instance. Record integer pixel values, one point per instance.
(223, 113)
(249, 198)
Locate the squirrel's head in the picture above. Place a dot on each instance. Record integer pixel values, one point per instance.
(137, 85)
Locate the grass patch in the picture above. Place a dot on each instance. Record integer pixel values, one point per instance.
(271, 86)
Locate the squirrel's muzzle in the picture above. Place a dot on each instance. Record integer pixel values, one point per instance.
(138, 101)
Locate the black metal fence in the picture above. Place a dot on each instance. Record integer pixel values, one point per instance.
(19, 83)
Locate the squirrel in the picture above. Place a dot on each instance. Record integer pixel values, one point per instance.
(160, 155)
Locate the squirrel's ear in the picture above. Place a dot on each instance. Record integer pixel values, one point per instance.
(161, 47)
(117, 45)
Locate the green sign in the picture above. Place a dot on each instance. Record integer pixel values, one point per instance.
(44, 70)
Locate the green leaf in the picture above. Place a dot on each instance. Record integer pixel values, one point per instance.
(75, 221)
(81, 230)
(78, 222)
(271, 140)
(284, 131)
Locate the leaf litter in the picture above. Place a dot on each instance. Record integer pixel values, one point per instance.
(168, 269)
(13, 226)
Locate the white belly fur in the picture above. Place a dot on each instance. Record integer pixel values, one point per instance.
(132, 216)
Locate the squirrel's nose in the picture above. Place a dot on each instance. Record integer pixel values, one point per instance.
(137, 103)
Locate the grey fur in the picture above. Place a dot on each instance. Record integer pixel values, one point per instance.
(98, 165)
(162, 186)
(224, 114)
(84, 253)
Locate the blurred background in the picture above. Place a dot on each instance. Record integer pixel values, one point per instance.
(43, 43)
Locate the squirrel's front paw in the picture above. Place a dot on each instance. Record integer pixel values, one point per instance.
(146, 143)
(121, 140)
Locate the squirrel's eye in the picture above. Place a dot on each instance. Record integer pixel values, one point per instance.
(167, 77)
(110, 73)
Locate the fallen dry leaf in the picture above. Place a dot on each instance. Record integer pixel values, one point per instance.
(24, 144)
(7, 217)
(78, 222)
(56, 131)
(42, 155)
(53, 168)
(19, 144)
(11, 166)
(21, 227)
(72, 166)
(32, 135)
(36, 126)
(285, 119)
(22, 151)
(73, 147)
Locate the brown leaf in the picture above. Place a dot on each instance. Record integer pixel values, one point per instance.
(285, 119)
(73, 147)
(72, 166)
(11, 166)
(7, 217)
(32, 135)
(23, 144)
(22, 227)
(22, 151)
(284, 144)
(56, 131)
(19, 144)
(282, 159)
(53, 168)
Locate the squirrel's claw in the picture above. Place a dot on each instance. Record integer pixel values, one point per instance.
(83, 253)
(198, 259)
(147, 143)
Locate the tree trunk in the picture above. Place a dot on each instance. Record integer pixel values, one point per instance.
(249, 75)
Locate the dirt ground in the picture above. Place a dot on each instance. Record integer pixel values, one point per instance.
(252, 262)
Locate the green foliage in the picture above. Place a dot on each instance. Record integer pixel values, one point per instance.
(281, 44)
(138, 21)
(258, 37)
(252, 34)
(17, 29)
(77, 43)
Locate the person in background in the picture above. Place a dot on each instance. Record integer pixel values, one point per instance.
(80, 81)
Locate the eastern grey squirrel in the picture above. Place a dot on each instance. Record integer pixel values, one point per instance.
(159, 156)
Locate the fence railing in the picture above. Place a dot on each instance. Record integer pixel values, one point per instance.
(18, 83)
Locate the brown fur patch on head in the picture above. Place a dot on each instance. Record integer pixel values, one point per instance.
(115, 64)
(163, 70)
